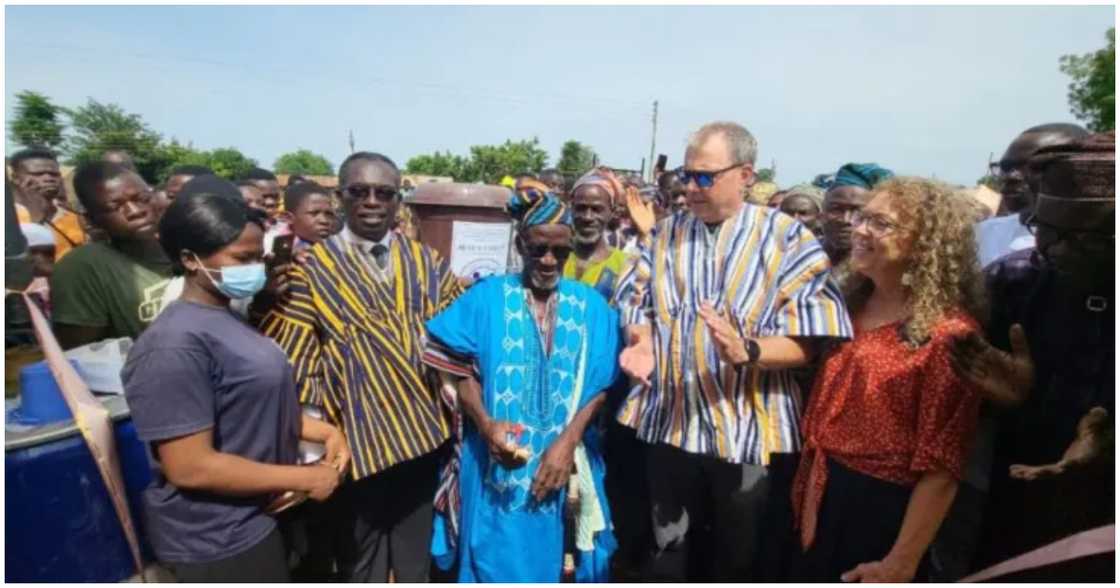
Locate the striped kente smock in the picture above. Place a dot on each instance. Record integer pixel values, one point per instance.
(767, 274)
(355, 342)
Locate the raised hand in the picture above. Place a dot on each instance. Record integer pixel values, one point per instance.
(729, 345)
(641, 213)
(1003, 378)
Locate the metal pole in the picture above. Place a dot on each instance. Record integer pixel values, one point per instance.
(652, 142)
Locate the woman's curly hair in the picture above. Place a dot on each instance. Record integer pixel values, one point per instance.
(943, 272)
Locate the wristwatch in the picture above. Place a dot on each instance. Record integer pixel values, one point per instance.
(754, 351)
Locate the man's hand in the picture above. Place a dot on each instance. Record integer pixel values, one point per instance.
(1003, 378)
(1085, 448)
(888, 570)
(636, 360)
(503, 450)
(278, 281)
(641, 213)
(338, 451)
(730, 346)
(554, 469)
(1028, 473)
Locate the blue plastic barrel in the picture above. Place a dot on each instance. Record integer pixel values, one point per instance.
(40, 397)
(60, 524)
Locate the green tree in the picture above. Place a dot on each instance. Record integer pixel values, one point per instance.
(490, 163)
(989, 181)
(486, 163)
(575, 159)
(765, 174)
(1092, 91)
(37, 122)
(227, 162)
(441, 164)
(303, 162)
(96, 128)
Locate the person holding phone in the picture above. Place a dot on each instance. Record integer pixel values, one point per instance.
(217, 403)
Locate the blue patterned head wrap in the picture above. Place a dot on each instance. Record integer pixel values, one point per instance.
(532, 204)
(863, 175)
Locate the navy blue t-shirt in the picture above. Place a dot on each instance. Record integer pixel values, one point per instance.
(199, 367)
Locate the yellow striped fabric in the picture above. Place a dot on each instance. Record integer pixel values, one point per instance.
(769, 276)
(355, 342)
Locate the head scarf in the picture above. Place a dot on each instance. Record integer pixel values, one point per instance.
(809, 191)
(1086, 168)
(761, 192)
(37, 235)
(532, 204)
(863, 175)
(605, 179)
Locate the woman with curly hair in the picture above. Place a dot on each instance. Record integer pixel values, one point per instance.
(889, 424)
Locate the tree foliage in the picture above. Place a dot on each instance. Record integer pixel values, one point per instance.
(441, 164)
(486, 163)
(38, 122)
(990, 181)
(1092, 89)
(96, 128)
(575, 159)
(490, 163)
(765, 174)
(303, 162)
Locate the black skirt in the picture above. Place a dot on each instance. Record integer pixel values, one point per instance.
(858, 522)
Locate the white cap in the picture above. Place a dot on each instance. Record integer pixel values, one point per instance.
(37, 235)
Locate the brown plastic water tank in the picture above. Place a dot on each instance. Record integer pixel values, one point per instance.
(438, 207)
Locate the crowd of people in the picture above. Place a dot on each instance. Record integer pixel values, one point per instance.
(859, 378)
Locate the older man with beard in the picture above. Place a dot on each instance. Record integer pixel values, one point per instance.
(544, 349)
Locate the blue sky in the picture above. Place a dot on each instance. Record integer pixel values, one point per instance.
(922, 90)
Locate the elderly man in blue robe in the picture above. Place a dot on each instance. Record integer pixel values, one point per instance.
(532, 355)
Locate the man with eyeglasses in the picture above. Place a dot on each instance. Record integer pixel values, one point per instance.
(848, 193)
(352, 324)
(545, 349)
(1050, 365)
(1006, 232)
(726, 299)
(110, 289)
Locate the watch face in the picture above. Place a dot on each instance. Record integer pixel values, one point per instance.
(753, 350)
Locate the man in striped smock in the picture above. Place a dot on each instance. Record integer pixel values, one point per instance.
(352, 324)
(728, 297)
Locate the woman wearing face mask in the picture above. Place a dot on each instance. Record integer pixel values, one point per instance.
(889, 423)
(217, 404)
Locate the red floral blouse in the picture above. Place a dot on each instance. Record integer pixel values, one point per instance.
(884, 409)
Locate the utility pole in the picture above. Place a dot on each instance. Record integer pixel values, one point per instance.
(653, 141)
(351, 134)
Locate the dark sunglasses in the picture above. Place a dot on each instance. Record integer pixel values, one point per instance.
(703, 179)
(560, 252)
(362, 191)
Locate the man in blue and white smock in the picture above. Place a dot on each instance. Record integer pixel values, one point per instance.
(727, 299)
(544, 350)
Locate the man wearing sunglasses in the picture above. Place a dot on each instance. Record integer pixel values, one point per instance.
(1051, 362)
(726, 299)
(545, 350)
(352, 324)
(1006, 233)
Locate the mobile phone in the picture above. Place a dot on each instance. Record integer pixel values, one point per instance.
(282, 249)
(662, 161)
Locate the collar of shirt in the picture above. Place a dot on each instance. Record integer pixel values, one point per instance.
(366, 244)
